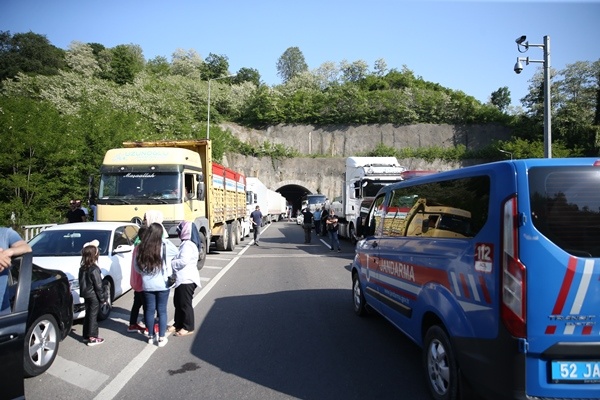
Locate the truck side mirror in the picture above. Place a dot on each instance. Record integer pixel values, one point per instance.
(201, 190)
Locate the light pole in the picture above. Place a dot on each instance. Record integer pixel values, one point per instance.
(506, 152)
(208, 115)
(521, 42)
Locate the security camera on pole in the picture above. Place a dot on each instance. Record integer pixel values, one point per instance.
(523, 43)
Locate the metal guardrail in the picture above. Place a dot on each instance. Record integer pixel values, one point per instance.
(29, 231)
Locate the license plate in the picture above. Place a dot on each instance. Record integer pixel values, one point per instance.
(576, 371)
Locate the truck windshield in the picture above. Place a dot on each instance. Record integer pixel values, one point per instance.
(313, 200)
(142, 185)
(565, 207)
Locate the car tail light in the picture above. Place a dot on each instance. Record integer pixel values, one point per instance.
(513, 274)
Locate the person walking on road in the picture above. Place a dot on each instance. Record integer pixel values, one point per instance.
(332, 228)
(185, 264)
(324, 215)
(307, 225)
(256, 219)
(317, 218)
(153, 262)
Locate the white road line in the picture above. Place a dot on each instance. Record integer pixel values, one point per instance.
(112, 389)
(211, 267)
(77, 374)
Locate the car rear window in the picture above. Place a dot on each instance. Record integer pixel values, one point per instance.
(565, 207)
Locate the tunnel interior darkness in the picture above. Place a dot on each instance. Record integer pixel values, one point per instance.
(293, 194)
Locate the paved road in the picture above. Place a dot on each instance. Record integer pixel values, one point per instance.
(274, 321)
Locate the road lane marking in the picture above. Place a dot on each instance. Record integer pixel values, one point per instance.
(112, 389)
(77, 374)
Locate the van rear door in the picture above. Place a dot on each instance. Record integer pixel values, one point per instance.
(559, 245)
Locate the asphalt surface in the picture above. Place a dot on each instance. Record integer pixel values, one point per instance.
(273, 321)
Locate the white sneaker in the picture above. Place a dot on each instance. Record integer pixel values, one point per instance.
(150, 339)
(162, 341)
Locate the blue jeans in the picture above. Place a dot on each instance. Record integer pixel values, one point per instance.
(334, 240)
(156, 302)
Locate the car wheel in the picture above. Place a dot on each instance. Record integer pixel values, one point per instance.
(41, 345)
(107, 307)
(203, 250)
(358, 297)
(440, 364)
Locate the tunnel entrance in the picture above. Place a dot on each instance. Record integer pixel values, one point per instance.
(293, 194)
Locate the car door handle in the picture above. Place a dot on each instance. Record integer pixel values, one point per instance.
(374, 244)
(8, 337)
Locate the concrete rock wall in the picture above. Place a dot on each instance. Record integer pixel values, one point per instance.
(329, 146)
(352, 140)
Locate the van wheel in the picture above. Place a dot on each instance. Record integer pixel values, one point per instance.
(440, 365)
(41, 345)
(203, 250)
(105, 309)
(358, 297)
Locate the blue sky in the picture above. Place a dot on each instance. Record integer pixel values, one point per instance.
(462, 45)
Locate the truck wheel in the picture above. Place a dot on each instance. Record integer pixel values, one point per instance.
(203, 250)
(222, 241)
(230, 244)
(440, 365)
(352, 234)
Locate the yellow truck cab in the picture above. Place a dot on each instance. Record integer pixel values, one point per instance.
(180, 179)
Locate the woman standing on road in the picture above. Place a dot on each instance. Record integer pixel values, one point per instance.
(185, 263)
(153, 262)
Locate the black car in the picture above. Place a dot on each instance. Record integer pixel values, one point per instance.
(49, 304)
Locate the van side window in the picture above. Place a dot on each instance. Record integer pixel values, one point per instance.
(397, 211)
(455, 208)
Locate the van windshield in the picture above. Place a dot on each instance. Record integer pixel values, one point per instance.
(565, 207)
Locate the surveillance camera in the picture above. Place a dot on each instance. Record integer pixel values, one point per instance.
(521, 39)
(518, 67)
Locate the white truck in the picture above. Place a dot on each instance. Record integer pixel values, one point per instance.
(257, 195)
(363, 178)
(277, 206)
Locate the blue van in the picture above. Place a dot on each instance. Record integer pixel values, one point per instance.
(494, 270)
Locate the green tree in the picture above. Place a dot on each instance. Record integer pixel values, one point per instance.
(159, 65)
(354, 71)
(247, 75)
(215, 66)
(127, 61)
(28, 53)
(291, 63)
(501, 98)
